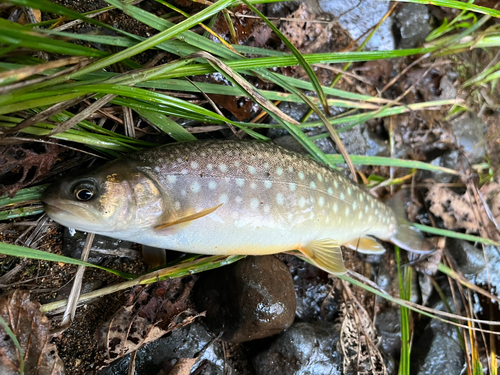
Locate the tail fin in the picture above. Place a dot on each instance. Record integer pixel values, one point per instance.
(406, 236)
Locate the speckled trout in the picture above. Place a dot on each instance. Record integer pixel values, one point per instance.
(229, 197)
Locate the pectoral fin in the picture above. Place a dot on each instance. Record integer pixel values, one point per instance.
(365, 245)
(187, 218)
(326, 254)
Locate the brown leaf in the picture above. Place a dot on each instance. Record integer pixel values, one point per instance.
(23, 165)
(453, 208)
(183, 366)
(149, 313)
(32, 330)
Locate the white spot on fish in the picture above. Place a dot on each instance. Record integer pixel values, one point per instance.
(251, 169)
(240, 182)
(223, 198)
(301, 175)
(212, 185)
(290, 169)
(361, 197)
(360, 216)
(267, 209)
(194, 165)
(172, 179)
(266, 165)
(237, 163)
(157, 169)
(302, 202)
(349, 191)
(177, 205)
(179, 160)
(280, 199)
(321, 201)
(330, 191)
(254, 203)
(342, 196)
(196, 187)
(210, 167)
(184, 171)
(223, 167)
(238, 199)
(292, 186)
(336, 183)
(279, 171)
(354, 205)
(367, 208)
(335, 207)
(320, 177)
(183, 192)
(312, 185)
(253, 185)
(268, 184)
(347, 211)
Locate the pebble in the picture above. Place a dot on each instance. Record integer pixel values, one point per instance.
(248, 300)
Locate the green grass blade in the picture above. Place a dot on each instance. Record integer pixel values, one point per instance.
(23, 195)
(457, 5)
(14, 339)
(166, 125)
(25, 252)
(298, 55)
(452, 234)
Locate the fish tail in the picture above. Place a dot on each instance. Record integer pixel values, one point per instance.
(405, 235)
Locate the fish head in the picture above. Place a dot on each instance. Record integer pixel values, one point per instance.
(118, 197)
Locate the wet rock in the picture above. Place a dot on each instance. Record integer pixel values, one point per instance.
(470, 260)
(358, 18)
(313, 294)
(448, 160)
(303, 349)
(490, 274)
(437, 351)
(248, 300)
(388, 325)
(426, 287)
(74, 241)
(186, 342)
(469, 133)
(375, 146)
(412, 21)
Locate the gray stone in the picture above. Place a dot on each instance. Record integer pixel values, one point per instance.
(74, 241)
(490, 274)
(248, 300)
(469, 133)
(413, 24)
(437, 351)
(303, 349)
(388, 325)
(470, 260)
(359, 17)
(448, 160)
(375, 146)
(181, 343)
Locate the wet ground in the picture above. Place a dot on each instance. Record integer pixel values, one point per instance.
(328, 328)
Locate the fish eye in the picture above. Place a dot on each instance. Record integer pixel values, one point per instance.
(84, 192)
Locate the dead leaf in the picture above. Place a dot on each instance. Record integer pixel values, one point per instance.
(453, 208)
(23, 165)
(183, 366)
(32, 330)
(149, 313)
(491, 193)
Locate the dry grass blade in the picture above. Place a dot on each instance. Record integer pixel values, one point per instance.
(252, 91)
(23, 73)
(68, 124)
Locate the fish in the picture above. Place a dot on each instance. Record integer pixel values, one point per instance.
(230, 197)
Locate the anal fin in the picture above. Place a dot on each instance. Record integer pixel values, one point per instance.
(154, 256)
(365, 245)
(325, 254)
